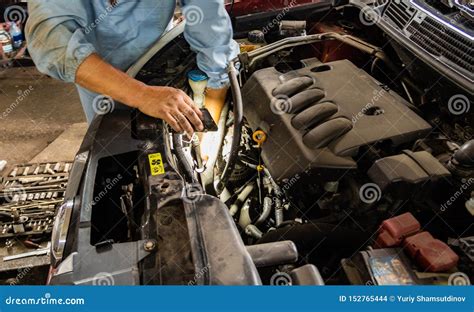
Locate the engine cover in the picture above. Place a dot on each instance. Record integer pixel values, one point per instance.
(320, 115)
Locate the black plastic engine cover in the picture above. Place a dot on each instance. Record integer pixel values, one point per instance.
(319, 116)
(196, 239)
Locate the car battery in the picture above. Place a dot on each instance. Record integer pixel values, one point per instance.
(387, 266)
(430, 254)
(394, 230)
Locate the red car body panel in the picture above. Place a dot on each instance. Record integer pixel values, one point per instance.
(244, 7)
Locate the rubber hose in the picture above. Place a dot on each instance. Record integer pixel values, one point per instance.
(238, 120)
(182, 160)
(279, 216)
(241, 198)
(266, 210)
(253, 231)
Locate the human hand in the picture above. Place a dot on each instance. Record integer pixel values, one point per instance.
(173, 106)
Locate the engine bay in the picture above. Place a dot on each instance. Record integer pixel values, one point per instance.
(340, 158)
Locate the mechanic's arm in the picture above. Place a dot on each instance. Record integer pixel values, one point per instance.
(209, 32)
(59, 47)
(169, 104)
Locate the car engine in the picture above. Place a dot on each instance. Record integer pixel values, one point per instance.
(310, 112)
(345, 155)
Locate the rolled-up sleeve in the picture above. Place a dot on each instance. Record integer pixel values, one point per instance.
(209, 32)
(56, 36)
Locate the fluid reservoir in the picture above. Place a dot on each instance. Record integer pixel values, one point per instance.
(198, 83)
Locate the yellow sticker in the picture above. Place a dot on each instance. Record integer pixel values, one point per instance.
(156, 164)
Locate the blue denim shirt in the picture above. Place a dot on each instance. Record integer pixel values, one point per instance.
(62, 33)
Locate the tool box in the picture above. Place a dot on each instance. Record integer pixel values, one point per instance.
(29, 197)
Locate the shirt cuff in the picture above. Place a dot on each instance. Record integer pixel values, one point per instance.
(78, 50)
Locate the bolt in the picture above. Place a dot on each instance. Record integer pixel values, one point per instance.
(149, 245)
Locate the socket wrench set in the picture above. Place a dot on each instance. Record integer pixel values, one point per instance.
(29, 197)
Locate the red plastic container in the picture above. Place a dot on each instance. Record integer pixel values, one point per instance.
(394, 230)
(431, 254)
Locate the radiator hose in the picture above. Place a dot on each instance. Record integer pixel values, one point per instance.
(238, 120)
